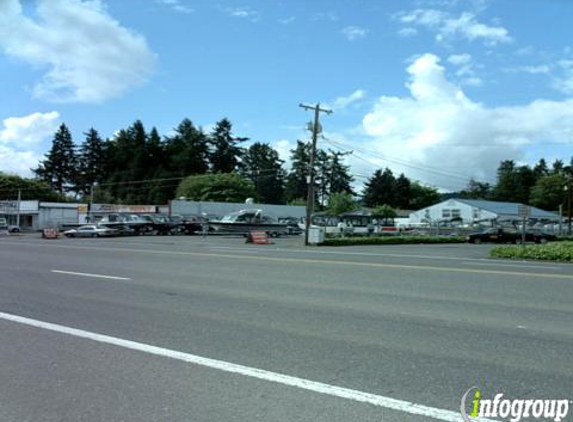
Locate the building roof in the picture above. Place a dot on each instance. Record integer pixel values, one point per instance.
(506, 209)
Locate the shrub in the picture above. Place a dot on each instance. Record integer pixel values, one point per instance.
(555, 251)
(391, 240)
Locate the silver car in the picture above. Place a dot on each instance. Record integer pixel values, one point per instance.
(90, 230)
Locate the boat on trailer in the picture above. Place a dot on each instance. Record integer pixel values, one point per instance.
(244, 221)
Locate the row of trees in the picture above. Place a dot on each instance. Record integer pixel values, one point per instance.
(540, 185)
(139, 166)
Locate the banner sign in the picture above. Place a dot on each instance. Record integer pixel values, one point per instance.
(136, 209)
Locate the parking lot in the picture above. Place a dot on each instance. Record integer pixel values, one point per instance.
(153, 328)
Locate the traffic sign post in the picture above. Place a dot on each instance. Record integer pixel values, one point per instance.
(524, 211)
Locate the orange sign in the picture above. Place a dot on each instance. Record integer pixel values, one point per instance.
(50, 234)
(260, 237)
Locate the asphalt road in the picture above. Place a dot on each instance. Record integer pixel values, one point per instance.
(418, 324)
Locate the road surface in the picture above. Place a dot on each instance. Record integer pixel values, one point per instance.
(191, 329)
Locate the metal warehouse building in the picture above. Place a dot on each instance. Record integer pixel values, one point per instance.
(219, 209)
(469, 211)
(36, 215)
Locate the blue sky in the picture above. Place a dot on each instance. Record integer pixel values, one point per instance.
(439, 89)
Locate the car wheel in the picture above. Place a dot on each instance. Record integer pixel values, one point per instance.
(69, 236)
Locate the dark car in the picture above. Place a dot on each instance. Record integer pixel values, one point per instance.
(497, 235)
(292, 224)
(193, 224)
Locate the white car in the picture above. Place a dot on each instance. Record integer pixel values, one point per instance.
(90, 230)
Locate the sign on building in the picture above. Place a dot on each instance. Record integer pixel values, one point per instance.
(524, 211)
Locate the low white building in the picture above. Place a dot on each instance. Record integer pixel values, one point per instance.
(38, 215)
(470, 211)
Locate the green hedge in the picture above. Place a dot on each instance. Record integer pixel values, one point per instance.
(391, 240)
(554, 251)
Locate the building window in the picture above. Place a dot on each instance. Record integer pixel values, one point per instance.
(456, 213)
(476, 214)
(446, 213)
(427, 214)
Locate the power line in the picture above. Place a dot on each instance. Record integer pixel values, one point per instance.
(408, 164)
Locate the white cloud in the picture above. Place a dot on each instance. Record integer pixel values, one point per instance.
(564, 83)
(89, 57)
(176, 5)
(448, 27)
(534, 70)
(243, 13)
(288, 20)
(325, 16)
(465, 69)
(408, 32)
(31, 129)
(460, 59)
(438, 126)
(17, 162)
(343, 102)
(353, 33)
(283, 148)
(19, 137)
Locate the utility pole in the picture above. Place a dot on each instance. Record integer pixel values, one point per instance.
(18, 209)
(91, 203)
(569, 194)
(560, 219)
(310, 194)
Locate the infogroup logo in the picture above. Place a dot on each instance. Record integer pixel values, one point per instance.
(515, 410)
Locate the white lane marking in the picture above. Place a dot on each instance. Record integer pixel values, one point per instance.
(512, 265)
(111, 277)
(318, 387)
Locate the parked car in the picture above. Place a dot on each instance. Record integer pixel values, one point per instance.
(13, 228)
(292, 225)
(193, 224)
(498, 235)
(91, 230)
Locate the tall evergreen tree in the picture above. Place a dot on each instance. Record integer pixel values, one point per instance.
(526, 179)
(339, 177)
(322, 176)
(380, 189)
(403, 192)
(507, 183)
(296, 184)
(59, 168)
(92, 162)
(226, 154)
(540, 169)
(262, 165)
(557, 166)
(188, 150)
(155, 153)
